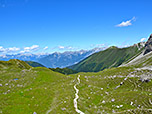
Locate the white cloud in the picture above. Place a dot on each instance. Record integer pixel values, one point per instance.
(30, 49)
(143, 39)
(66, 47)
(10, 49)
(124, 46)
(45, 48)
(126, 23)
(61, 47)
(34, 47)
(27, 48)
(24, 51)
(69, 47)
(2, 49)
(13, 49)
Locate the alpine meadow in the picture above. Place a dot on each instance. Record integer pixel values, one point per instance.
(75, 57)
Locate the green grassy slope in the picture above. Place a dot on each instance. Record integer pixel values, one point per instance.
(28, 90)
(25, 90)
(111, 57)
(34, 64)
(14, 64)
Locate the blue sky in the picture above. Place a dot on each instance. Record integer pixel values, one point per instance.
(35, 26)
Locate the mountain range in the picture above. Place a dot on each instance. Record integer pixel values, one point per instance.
(111, 57)
(125, 88)
(122, 86)
(55, 59)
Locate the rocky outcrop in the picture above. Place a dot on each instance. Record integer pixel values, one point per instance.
(148, 45)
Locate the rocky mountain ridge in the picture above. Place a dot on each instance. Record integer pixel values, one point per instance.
(148, 45)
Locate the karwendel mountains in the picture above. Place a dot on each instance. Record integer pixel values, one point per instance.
(122, 86)
(55, 59)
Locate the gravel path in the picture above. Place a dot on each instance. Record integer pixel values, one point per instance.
(76, 97)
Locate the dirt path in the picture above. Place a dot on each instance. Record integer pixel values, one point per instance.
(76, 97)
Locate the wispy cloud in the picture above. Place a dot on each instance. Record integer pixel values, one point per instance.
(24, 51)
(65, 47)
(8, 50)
(143, 39)
(12, 49)
(124, 46)
(2, 49)
(30, 49)
(126, 23)
(46, 47)
(34, 47)
(61, 47)
(69, 47)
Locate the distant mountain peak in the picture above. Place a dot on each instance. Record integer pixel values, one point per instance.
(139, 45)
(148, 45)
(113, 47)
